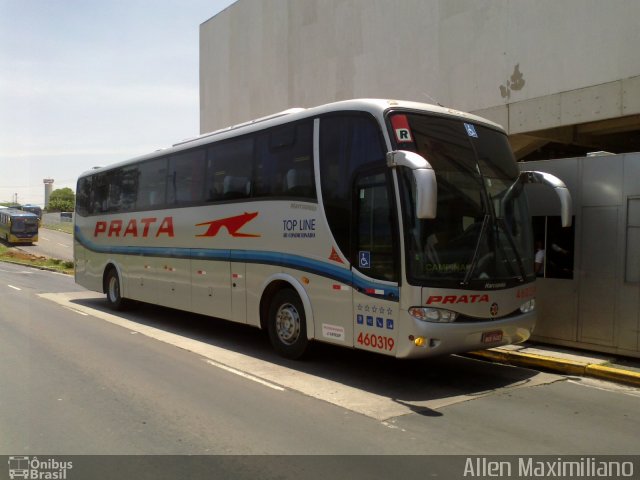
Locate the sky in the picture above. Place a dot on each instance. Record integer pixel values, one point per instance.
(87, 83)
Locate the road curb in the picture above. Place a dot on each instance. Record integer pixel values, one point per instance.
(564, 366)
(613, 374)
(37, 267)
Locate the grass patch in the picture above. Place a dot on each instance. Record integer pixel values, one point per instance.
(66, 227)
(12, 255)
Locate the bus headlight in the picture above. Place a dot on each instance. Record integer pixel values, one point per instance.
(528, 306)
(437, 315)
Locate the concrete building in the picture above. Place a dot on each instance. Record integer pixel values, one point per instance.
(48, 187)
(589, 293)
(563, 78)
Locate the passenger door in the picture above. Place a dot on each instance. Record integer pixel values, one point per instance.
(375, 263)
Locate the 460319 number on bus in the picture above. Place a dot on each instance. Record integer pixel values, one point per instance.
(376, 341)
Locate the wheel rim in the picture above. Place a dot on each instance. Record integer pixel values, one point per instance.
(287, 324)
(114, 289)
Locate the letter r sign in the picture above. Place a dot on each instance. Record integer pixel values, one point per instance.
(403, 135)
(400, 124)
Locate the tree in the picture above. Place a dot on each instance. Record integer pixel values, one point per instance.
(62, 200)
(58, 205)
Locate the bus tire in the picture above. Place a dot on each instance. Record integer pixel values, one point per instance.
(287, 324)
(114, 291)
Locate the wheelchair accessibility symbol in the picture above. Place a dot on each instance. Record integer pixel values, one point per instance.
(364, 259)
(471, 130)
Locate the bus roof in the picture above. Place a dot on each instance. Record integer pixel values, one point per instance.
(18, 213)
(376, 107)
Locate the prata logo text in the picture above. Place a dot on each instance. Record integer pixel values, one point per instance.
(457, 299)
(135, 228)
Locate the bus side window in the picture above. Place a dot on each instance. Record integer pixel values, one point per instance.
(299, 182)
(557, 246)
(229, 169)
(185, 177)
(83, 197)
(347, 143)
(284, 162)
(374, 233)
(235, 187)
(129, 179)
(100, 193)
(151, 188)
(115, 192)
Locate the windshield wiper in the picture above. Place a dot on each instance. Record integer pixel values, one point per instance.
(507, 197)
(474, 259)
(503, 226)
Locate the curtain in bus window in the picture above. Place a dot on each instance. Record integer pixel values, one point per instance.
(185, 179)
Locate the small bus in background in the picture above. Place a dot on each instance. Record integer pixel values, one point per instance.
(395, 227)
(32, 209)
(17, 226)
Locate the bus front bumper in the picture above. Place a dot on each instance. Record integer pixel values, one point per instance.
(425, 339)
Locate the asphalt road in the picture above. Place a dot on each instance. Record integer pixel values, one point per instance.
(53, 244)
(77, 379)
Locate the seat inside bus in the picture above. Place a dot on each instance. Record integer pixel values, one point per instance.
(298, 183)
(236, 187)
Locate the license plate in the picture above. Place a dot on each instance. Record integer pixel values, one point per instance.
(492, 337)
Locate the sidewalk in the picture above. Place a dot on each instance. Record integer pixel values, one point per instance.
(566, 361)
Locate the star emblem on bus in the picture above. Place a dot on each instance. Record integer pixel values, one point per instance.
(232, 225)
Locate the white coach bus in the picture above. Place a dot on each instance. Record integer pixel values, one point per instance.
(395, 227)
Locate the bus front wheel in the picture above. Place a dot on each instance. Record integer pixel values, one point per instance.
(287, 324)
(114, 292)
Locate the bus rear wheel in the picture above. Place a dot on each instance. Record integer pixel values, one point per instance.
(114, 292)
(287, 324)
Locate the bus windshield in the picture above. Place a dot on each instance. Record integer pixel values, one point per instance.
(32, 209)
(482, 234)
(24, 225)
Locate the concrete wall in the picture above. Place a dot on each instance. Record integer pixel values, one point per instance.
(549, 71)
(527, 64)
(599, 308)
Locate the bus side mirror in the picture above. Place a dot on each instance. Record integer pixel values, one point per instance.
(558, 186)
(425, 181)
(426, 193)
